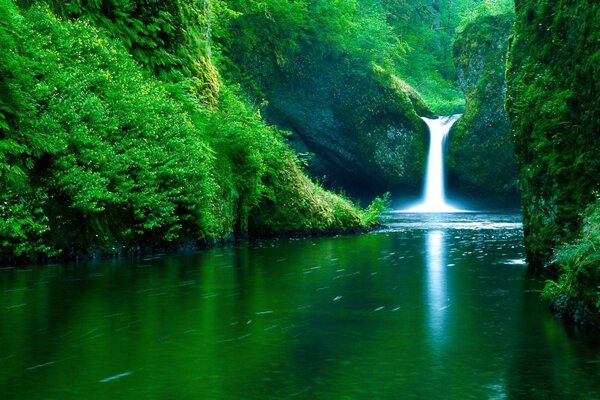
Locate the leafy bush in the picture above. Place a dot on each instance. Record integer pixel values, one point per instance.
(23, 224)
(168, 37)
(579, 262)
(379, 205)
(99, 149)
(263, 37)
(485, 8)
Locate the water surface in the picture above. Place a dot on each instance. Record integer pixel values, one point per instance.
(430, 307)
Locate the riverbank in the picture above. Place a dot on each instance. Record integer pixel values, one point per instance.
(123, 252)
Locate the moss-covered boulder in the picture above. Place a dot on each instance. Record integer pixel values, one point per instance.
(481, 157)
(361, 124)
(323, 70)
(552, 99)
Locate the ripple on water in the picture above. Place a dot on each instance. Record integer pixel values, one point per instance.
(394, 221)
(516, 261)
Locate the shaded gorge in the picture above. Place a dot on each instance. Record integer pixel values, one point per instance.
(431, 306)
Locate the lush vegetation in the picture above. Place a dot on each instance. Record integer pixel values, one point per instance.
(116, 132)
(481, 155)
(576, 295)
(128, 124)
(552, 102)
(429, 28)
(412, 39)
(552, 99)
(131, 123)
(326, 70)
(315, 67)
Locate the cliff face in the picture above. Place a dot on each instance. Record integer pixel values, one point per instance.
(324, 71)
(363, 127)
(552, 99)
(481, 157)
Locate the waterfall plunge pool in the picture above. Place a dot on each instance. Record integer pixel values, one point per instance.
(430, 307)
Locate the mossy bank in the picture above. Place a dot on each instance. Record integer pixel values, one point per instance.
(117, 130)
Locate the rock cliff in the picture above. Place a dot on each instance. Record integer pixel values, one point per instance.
(363, 127)
(481, 157)
(552, 99)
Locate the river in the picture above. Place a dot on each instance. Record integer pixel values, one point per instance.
(429, 307)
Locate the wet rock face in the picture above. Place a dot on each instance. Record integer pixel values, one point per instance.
(552, 100)
(361, 125)
(481, 157)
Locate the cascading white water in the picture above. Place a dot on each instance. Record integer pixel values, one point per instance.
(434, 199)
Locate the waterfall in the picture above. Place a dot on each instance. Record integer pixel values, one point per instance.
(434, 197)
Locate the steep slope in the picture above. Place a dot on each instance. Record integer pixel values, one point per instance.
(363, 130)
(117, 133)
(481, 157)
(324, 70)
(553, 103)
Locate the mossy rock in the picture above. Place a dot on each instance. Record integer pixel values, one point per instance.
(552, 99)
(361, 123)
(481, 157)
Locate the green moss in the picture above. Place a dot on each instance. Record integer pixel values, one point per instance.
(403, 97)
(101, 151)
(481, 156)
(325, 71)
(552, 100)
(359, 120)
(298, 205)
(169, 37)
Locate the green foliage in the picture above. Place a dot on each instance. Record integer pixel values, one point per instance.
(486, 8)
(429, 29)
(270, 193)
(442, 95)
(579, 262)
(16, 83)
(169, 37)
(102, 148)
(317, 69)
(378, 206)
(313, 211)
(481, 151)
(23, 224)
(105, 136)
(247, 150)
(264, 37)
(258, 40)
(552, 100)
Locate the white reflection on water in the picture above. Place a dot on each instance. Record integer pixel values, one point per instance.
(398, 222)
(437, 292)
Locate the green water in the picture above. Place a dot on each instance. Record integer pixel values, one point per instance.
(436, 307)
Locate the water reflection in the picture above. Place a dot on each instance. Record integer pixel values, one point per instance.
(435, 313)
(437, 288)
